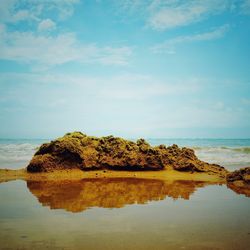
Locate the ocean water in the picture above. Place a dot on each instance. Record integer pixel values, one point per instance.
(230, 153)
(16, 153)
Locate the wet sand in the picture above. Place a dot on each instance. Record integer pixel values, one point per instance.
(75, 174)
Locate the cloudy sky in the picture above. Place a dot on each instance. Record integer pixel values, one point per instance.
(132, 68)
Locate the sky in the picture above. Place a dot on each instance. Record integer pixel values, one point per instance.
(131, 68)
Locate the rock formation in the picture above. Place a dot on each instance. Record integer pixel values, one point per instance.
(239, 181)
(77, 150)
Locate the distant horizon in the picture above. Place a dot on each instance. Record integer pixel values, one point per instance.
(134, 138)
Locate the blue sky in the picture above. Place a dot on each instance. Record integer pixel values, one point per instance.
(130, 68)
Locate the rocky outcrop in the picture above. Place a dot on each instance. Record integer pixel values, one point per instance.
(242, 174)
(77, 150)
(184, 159)
(239, 181)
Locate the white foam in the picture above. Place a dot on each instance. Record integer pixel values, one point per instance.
(13, 155)
(230, 157)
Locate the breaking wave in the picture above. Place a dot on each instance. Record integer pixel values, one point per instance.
(18, 155)
(230, 157)
(245, 150)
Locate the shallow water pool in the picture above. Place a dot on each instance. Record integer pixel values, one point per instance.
(122, 213)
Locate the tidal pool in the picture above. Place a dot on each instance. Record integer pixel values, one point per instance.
(122, 213)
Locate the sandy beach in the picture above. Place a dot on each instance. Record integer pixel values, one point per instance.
(75, 174)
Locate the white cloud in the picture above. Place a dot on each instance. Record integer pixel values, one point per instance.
(171, 14)
(46, 24)
(245, 101)
(2, 29)
(245, 7)
(25, 10)
(219, 105)
(131, 6)
(203, 116)
(140, 87)
(70, 102)
(116, 87)
(43, 50)
(172, 17)
(28, 47)
(167, 14)
(169, 45)
(20, 16)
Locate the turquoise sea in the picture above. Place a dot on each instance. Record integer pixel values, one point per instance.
(230, 153)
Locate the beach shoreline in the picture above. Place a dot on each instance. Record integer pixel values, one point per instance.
(77, 174)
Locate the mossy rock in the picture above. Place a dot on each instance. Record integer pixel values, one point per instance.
(77, 150)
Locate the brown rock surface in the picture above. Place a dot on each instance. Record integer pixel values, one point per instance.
(239, 181)
(79, 151)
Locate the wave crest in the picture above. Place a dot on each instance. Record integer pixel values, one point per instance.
(245, 150)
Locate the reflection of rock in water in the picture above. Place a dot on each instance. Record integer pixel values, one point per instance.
(76, 196)
(240, 188)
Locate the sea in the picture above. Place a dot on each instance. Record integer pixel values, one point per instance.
(230, 153)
